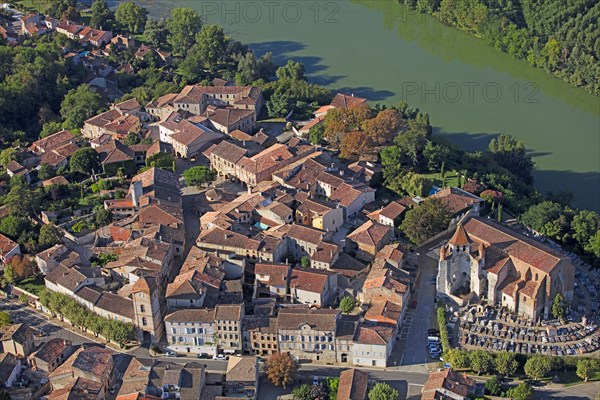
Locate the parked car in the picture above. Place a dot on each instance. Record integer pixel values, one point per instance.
(170, 353)
(316, 380)
(113, 388)
(203, 355)
(219, 357)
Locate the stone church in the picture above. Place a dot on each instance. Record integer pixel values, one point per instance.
(492, 262)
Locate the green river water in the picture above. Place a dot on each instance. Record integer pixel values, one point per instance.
(382, 51)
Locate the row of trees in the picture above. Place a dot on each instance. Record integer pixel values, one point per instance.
(508, 364)
(64, 306)
(559, 36)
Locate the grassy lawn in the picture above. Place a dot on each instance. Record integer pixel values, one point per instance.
(33, 285)
(451, 179)
(570, 378)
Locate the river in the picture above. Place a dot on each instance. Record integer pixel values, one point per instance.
(384, 52)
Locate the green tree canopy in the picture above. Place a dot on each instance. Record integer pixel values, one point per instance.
(5, 319)
(155, 32)
(586, 368)
(84, 161)
(511, 154)
(383, 391)
(559, 306)
(182, 26)
(481, 361)
(505, 363)
(102, 16)
(538, 366)
(522, 391)
(493, 386)
(302, 392)
(79, 105)
(425, 221)
(131, 17)
(49, 235)
(347, 304)
(199, 175)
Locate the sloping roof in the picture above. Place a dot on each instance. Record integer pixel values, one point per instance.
(241, 369)
(347, 101)
(228, 151)
(353, 385)
(229, 312)
(460, 237)
(456, 199)
(278, 273)
(375, 335)
(6, 245)
(318, 319)
(370, 233)
(20, 333)
(309, 279)
(51, 349)
(450, 381)
(192, 315)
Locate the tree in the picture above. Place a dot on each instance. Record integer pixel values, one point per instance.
(333, 385)
(45, 171)
(9, 275)
(281, 369)
(198, 175)
(425, 221)
(212, 45)
(481, 361)
(459, 358)
(79, 105)
(131, 17)
(293, 70)
(5, 319)
(505, 363)
(155, 32)
(493, 386)
(7, 155)
(538, 366)
(49, 235)
(84, 161)
(383, 391)
(305, 261)
(586, 368)
(511, 154)
(355, 144)
(316, 134)
(347, 304)
(548, 218)
(302, 392)
(585, 225)
(383, 126)
(103, 217)
(182, 27)
(22, 266)
(102, 16)
(558, 306)
(522, 391)
(131, 139)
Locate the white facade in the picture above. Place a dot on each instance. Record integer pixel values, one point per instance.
(191, 337)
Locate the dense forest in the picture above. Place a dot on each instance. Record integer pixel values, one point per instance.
(561, 36)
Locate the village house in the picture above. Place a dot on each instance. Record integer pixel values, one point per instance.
(10, 369)
(458, 202)
(241, 377)
(115, 122)
(17, 339)
(494, 262)
(448, 384)
(353, 385)
(260, 335)
(91, 363)
(169, 380)
(13, 168)
(196, 98)
(186, 137)
(186, 291)
(192, 331)
(304, 241)
(373, 345)
(320, 214)
(8, 249)
(224, 157)
(79, 388)
(389, 215)
(271, 281)
(369, 238)
(228, 318)
(353, 198)
(33, 25)
(162, 107)
(314, 287)
(308, 334)
(96, 37)
(51, 354)
(67, 280)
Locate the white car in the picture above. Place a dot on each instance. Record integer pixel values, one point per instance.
(170, 353)
(316, 380)
(219, 357)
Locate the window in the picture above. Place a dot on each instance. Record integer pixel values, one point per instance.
(144, 322)
(142, 308)
(173, 331)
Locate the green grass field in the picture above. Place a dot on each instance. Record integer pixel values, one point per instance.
(451, 179)
(33, 285)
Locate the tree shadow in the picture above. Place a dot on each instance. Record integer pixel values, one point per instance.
(369, 93)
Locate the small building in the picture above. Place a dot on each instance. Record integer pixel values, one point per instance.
(241, 377)
(369, 238)
(353, 385)
(447, 384)
(10, 369)
(17, 339)
(191, 331)
(51, 354)
(313, 286)
(8, 249)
